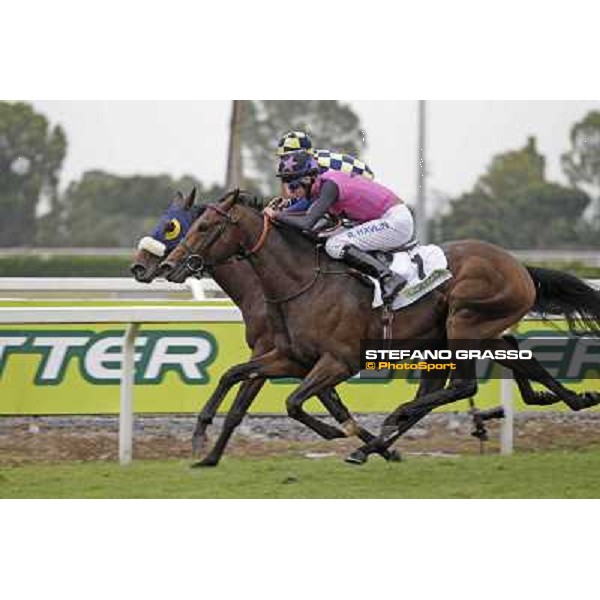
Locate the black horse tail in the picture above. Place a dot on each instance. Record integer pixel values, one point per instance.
(559, 293)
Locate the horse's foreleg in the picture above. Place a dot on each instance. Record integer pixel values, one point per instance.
(325, 374)
(333, 403)
(244, 398)
(205, 418)
(230, 378)
(282, 366)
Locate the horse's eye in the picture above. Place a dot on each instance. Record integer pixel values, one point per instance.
(172, 229)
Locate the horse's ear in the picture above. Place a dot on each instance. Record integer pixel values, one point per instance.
(178, 195)
(189, 201)
(231, 198)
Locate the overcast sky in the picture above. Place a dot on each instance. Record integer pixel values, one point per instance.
(190, 137)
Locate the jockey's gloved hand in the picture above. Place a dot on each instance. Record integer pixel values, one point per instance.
(329, 194)
(278, 203)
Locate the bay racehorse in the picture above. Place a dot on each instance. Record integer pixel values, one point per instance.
(320, 312)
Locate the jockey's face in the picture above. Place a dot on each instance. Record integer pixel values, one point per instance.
(296, 192)
(298, 188)
(288, 194)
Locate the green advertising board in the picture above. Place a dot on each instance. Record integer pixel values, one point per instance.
(66, 369)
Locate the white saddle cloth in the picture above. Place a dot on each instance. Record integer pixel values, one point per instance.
(434, 273)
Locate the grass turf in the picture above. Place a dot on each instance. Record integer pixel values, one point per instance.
(527, 475)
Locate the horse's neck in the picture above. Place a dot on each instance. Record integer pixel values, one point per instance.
(239, 282)
(285, 263)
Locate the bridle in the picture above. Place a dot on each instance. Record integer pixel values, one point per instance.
(194, 259)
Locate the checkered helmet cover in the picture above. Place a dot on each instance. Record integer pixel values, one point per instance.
(297, 164)
(293, 141)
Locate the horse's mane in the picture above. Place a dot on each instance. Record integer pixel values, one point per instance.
(305, 237)
(245, 198)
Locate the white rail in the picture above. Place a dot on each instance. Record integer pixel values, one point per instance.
(197, 288)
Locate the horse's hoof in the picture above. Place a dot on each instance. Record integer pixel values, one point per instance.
(358, 457)
(589, 399)
(393, 456)
(204, 463)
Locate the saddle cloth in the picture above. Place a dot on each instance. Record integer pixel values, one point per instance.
(424, 268)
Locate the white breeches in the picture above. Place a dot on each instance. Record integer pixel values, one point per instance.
(395, 228)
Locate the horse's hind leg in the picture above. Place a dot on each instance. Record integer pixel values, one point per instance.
(531, 370)
(463, 324)
(429, 382)
(463, 384)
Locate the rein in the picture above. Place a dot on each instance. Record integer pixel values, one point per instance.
(318, 272)
(304, 288)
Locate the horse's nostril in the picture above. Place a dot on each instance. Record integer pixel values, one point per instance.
(138, 270)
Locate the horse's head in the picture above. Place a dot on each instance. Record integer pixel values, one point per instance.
(171, 228)
(215, 238)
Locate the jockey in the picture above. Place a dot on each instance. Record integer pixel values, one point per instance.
(293, 141)
(385, 221)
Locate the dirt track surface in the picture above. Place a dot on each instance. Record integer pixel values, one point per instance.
(50, 439)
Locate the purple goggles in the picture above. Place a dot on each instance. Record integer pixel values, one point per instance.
(293, 184)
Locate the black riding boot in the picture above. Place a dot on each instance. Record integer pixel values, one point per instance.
(391, 283)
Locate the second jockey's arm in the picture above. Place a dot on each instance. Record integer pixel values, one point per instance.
(298, 206)
(329, 194)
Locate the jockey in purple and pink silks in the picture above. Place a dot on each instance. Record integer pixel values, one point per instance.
(328, 160)
(385, 221)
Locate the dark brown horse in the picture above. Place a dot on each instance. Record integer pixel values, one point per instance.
(239, 281)
(320, 313)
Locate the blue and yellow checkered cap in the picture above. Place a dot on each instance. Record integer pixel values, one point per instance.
(293, 141)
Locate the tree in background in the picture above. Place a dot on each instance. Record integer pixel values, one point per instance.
(330, 123)
(581, 164)
(102, 209)
(513, 205)
(31, 155)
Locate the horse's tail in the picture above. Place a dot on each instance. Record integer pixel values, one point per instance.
(559, 293)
